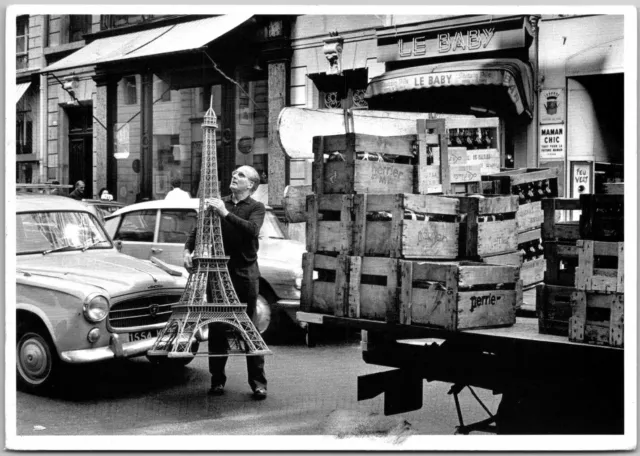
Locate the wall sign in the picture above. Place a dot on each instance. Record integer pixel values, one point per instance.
(551, 106)
(552, 141)
(581, 178)
(454, 41)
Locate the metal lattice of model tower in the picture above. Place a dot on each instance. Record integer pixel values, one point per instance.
(193, 311)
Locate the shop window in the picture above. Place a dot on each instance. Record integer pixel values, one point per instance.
(79, 25)
(130, 90)
(24, 133)
(22, 42)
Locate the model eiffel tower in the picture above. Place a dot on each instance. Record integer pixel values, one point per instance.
(193, 311)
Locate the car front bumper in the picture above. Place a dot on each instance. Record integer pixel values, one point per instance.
(116, 349)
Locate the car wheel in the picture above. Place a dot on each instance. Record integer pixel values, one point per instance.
(164, 361)
(36, 361)
(266, 317)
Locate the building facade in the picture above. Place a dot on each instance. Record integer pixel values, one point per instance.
(117, 101)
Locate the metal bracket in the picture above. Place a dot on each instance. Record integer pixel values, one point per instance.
(402, 390)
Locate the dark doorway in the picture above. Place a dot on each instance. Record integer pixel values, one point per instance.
(81, 148)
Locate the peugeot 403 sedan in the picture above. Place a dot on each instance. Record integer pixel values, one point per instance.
(78, 299)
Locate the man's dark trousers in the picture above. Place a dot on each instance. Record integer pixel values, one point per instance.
(245, 281)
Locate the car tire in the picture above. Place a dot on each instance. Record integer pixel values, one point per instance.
(164, 361)
(267, 317)
(37, 361)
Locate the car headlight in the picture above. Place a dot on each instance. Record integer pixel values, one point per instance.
(95, 308)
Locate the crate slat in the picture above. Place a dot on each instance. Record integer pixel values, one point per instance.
(555, 230)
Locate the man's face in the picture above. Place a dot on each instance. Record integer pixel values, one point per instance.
(81, 188)
(239, 181)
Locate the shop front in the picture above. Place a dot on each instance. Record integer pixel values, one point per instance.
(153, 86)
(474, 67)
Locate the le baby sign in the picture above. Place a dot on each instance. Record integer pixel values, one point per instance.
(552, 142)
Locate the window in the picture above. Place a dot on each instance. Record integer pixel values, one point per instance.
(130, 90)
(175, 225)
(137, 226)
(79, 25)
(24, 132)
(22, 42)
(116, 21)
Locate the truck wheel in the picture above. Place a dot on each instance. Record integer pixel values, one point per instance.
(36, 361)
(310, 335)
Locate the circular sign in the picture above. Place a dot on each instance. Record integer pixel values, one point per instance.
(136, 166)
(245, 145)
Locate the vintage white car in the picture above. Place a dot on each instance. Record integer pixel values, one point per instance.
(79, 300)
(159, 229)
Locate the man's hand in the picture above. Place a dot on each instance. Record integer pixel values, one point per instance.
(187, 259)
(217, 205)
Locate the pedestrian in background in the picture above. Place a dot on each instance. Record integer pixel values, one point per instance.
(241, 218)
(176, 192)
(78, 191)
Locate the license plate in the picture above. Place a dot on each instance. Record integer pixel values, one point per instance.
(142, 335)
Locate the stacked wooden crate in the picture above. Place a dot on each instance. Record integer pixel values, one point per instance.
(597, 307)
(583, 294)
(560, 232)
(380, 248)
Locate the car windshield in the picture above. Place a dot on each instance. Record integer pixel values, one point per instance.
(271, 227)
(47, 232)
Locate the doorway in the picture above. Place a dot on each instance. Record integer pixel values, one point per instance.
(81, 148)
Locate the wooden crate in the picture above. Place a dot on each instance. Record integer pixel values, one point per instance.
(553, 309)
(350, 286)
(350, 175)
(558, 209)
(294, 203)
(600, 266)
(530, 215)
(458, 295)
(562, 261)
(488, 227)
(397, 226)
(602, 217)
(509, 259)
(532, 269)
(597, 318)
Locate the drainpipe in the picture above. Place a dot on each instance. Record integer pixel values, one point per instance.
(44, 120)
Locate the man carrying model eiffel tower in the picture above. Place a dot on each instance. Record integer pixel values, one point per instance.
(241, 218)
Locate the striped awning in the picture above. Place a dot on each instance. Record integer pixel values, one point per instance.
(512, 74)
(170, 39)
(21, 89)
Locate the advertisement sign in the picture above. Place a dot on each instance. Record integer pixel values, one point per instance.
(581, 178)
(551, 106)
(121, 141)
(552, 142)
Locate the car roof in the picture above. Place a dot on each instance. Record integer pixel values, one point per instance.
(29, 202)
(103, 202)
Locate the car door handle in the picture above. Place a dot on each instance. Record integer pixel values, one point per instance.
(155, 250)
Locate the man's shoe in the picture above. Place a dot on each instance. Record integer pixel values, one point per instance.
(260, 393)
(216, 390)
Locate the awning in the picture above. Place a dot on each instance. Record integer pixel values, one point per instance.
(21, 89)
(187, 36)
(512, 74)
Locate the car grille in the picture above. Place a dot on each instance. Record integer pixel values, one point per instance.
(147, 311)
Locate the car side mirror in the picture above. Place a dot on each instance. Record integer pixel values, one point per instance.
(118, 245)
